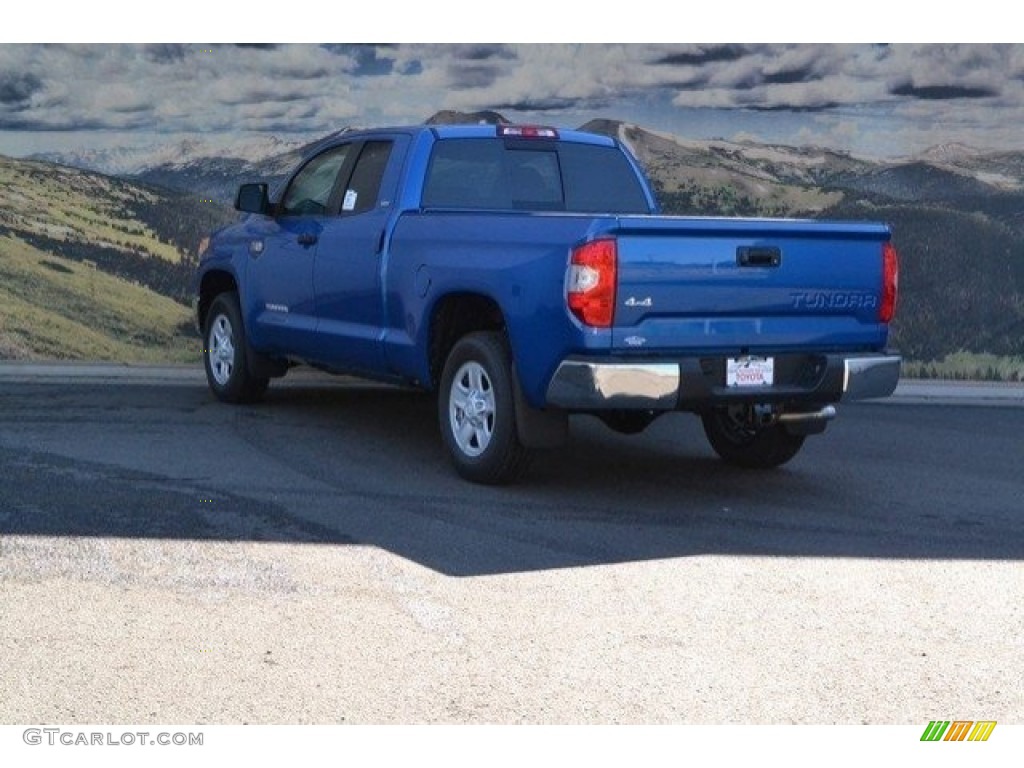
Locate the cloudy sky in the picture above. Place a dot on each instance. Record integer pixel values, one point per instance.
(876, 100)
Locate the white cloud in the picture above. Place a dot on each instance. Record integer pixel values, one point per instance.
(922, 91)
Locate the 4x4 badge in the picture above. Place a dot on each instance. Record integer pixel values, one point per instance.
(633, 301)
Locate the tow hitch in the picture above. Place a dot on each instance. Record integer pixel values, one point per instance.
(763, 415)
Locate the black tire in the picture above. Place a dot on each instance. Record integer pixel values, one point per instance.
(744, 446)
(224, 353)
(476, 410)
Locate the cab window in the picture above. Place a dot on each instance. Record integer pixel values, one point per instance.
(309, 194)
(363, 188)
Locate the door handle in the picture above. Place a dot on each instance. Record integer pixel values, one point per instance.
(307, 238)
(758, 256)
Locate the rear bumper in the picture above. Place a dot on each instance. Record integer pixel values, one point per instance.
(589, 384)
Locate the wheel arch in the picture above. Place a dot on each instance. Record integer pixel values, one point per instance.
(453, 316)
(213, 283)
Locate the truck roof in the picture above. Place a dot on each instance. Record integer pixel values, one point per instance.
(487, 131)
(457, 132)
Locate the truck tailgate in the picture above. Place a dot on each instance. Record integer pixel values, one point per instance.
(746, 286)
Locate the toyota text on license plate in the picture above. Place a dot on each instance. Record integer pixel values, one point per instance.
(749, 371)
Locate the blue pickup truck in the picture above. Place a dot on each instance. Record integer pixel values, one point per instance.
(523, 273)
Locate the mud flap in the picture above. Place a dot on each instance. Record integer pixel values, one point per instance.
(264, 367)
(538, 428)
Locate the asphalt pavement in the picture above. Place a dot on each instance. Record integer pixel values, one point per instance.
(167, 558)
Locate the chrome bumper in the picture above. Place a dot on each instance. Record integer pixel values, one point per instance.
(602, 384)
(868, 377)
(581, 384)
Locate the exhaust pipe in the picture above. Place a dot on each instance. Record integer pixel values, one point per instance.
(808, 423)
(825, 414)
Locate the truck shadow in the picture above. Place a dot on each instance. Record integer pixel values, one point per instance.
(362, 464)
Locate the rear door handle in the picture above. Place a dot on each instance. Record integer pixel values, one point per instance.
(758, 256)
(307, 238)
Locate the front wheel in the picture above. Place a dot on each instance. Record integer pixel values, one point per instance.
(739, 443)
(476, 409)
(227, 368)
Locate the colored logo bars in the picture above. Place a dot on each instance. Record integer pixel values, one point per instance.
(958, 730)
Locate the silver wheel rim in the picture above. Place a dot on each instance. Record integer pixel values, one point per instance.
(471, 409)
(221, 350)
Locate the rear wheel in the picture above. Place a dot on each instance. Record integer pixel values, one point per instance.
(738, 442)
(227, 366)
(476, 409)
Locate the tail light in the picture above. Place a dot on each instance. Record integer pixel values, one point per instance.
(591, 282)
(890, 283)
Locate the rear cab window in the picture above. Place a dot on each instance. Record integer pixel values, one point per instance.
(534, 175)
(363, 187)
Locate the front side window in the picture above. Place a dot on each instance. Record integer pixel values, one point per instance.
(309, 194)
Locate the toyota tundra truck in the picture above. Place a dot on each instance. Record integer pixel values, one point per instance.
(524, 274)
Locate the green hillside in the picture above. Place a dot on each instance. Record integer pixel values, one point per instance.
(95, 268)
(961, 241)
(961, 280)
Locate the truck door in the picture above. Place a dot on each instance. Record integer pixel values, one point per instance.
(282, 254)
(347, 273)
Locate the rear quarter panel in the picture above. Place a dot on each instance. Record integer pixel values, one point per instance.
(517, 259)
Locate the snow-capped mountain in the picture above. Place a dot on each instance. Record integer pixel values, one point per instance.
(804, 179)
(136, 160)
(205, 167)
(762, 178)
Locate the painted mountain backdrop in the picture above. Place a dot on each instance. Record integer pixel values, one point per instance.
(109, 249)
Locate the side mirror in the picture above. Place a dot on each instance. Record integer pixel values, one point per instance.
(252, 198)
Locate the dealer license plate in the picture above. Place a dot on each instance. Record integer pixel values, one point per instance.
(749, 371)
